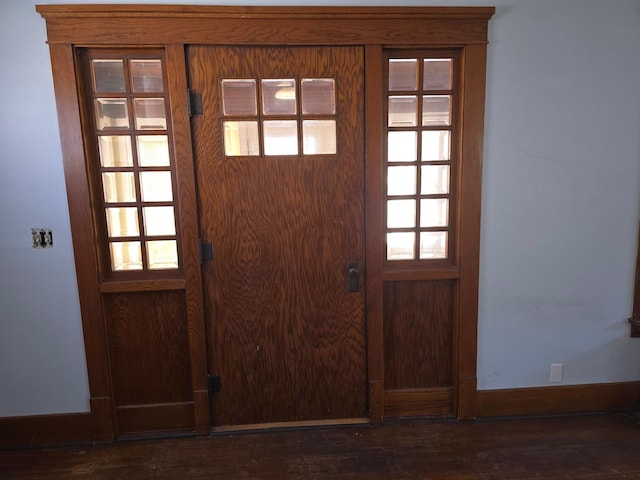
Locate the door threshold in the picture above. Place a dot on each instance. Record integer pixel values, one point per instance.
(261, 427)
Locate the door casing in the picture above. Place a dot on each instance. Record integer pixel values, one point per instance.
(72, 27)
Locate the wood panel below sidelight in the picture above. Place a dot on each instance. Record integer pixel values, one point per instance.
(419, 348)
(149, 357)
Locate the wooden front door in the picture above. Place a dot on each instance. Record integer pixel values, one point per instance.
(280, 179)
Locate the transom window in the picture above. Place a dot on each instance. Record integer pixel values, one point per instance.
(273, 117)
(419, 102)
(135, 165)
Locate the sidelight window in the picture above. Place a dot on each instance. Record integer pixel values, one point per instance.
(419, 159)
(136, 170)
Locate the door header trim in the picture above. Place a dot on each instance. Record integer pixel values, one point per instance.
(190, 24)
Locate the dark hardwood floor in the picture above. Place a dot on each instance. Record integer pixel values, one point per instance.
(576, 447)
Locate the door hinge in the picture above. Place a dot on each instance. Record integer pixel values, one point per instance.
(206, 251)
(194, 102)
(213, 384)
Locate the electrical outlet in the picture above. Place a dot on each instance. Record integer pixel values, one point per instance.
(41, 238)
(555, 373)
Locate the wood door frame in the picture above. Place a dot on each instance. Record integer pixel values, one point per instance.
(172, 27)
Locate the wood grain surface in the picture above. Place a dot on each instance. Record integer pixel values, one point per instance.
(601, 447)
(148, 348)
(418, 334)
(285, 334)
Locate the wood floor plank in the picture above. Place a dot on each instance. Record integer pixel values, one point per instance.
(599, 447)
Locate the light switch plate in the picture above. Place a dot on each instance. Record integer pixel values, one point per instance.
(41, 238)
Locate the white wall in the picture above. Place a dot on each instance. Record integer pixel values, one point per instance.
(560, 193)
(560, 212)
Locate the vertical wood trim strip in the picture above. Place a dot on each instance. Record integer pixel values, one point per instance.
(374, 230)
(474, 65)
(177, 90)
(78, 197)
(635, 316)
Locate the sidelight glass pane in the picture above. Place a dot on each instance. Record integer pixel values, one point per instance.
(401, 213)
(156, 187)
(111, 113)
(318, 96)
(239, 97)
(153, 151)
(435, 145)
(115, 151)
(436, 110)
(403, 111)
(159, 221)
(435, 179)
(146, 75)
(108, 76)
(162, 254)
(403, 74)
(150, 114)
(437, 74)
(434, 212)
(319, 137)
(401, 181)
(280, 137)
(402, 146)
(123, 222)
(400, 245)
(433, 245)
(241, 139)
(126, 256)
(119, 187)
(279, 97)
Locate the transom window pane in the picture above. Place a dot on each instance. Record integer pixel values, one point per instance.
(159, 221)
(403, 74)
(123, 222)
(401, 245)
(162, 254)
(401, 181)
(402, 147)
(112, 113)
(434, 212)
(119, 187)
(318, 96)
(156, 186)
(279, 97)
(150, 114)
(126, 256)
(403, 111)
(437, 74)
(153, 151)
(435, 179)
(115, 151)
(146, 75)
(433, 245)
(436, 110)
(435, 145)
(241, 139)
(319, 137)
(239, 97)
(108, 76)
(401, 213)
(280, 137)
